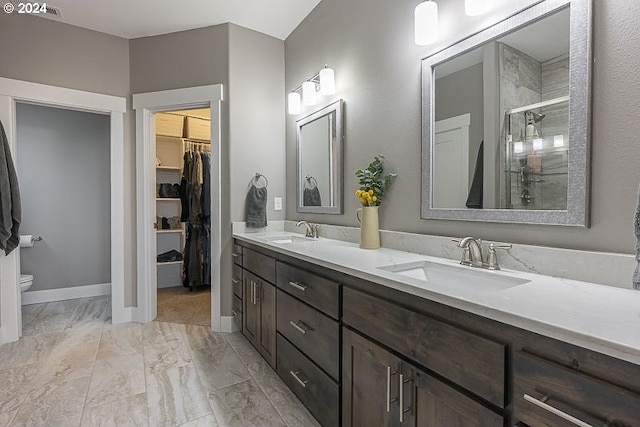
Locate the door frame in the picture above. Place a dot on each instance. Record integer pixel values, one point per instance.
(15, 91)
(145, 105)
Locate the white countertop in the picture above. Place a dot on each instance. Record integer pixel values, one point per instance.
(597, 317)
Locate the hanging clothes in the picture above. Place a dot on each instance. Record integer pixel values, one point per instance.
(196, 213)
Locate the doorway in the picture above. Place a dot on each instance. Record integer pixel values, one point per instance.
(183, 216)
(147, 105)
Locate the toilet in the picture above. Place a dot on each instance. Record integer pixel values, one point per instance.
(26, 280)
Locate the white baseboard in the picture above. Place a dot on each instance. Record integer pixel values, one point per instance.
(227, 324)
(49, 295)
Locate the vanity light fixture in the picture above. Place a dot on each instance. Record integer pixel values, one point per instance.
(558, 141)
(323, 82)
(477, 7)
(294, 103)
(537, 144)
(426, 23)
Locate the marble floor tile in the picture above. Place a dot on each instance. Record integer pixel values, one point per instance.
(247, 353)
(175, 396)
(201, 336)
(219, 366)
(16, 382)
(154, 329)
(116, 378)
(53, 405)
(130, 412)
(120, 339)
(29, 312)
(282, 398)
(244, 405)
(54, 317)
(166, 351)
(7, 417)
(89, 310)
(206, 421)
(27, 350)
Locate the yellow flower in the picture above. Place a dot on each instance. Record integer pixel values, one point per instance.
(371, 192)
(363, 200)
(358, 193)
(366, 196)
(374, 198)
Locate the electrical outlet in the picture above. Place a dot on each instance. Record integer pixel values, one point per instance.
(277, 203)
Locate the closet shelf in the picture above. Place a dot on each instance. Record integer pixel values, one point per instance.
(169, 168)
(169, 263)
(167, 199)
(169, 231)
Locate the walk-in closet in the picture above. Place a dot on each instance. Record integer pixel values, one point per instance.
(183, 216)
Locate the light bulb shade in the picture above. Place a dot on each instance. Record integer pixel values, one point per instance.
(294, 103)
(537, 144)
(327, 81)
(558, 141)
(426, 23)
(309, 93)
(477, 7)
(518, 147)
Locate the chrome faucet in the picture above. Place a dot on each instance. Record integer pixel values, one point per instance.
(312, 229)
(472, 252)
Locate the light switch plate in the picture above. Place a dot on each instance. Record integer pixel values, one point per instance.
(277, 203)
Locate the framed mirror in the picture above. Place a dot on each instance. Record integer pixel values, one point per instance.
(319, 153)
(506, 120)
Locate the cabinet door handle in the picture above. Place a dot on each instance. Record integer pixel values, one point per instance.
(235, 255)
(298, 286)
(389, 401)
(402, 409)
(254, 287)
(555, 411)
(235, 281)
(303, 383)
(234, 312)
(258, 293)
(300, 326)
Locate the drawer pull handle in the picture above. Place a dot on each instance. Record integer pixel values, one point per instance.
(298, 286)
(555, 411)
(389, 401)
(300, 326)
(235, 281)
(401, 400)
(235, 313)
(235, 255)
(303, 383)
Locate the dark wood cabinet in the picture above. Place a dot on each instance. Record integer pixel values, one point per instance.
(381, 389)
(259, 315)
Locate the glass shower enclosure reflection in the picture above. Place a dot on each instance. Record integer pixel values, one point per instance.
(535, 157)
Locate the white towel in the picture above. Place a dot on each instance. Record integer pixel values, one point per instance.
(636, 230)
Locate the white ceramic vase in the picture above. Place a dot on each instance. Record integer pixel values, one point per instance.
(369, 227)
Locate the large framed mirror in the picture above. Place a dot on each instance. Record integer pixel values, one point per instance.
(506, 120)
(320, 139)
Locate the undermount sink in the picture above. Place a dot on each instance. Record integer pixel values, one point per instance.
(454, 277)
(286, 239)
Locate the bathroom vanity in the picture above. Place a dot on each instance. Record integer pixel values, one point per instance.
(362, 345)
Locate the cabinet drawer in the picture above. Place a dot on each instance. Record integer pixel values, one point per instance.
(260, 265)
(548, 394)
(473, 362)
(236, 280)
(316, 291)
(314, 388)
(237, 311)
(317, 335)
(236, 254)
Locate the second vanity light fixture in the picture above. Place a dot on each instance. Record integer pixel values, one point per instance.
(426, 18)
(324, 82)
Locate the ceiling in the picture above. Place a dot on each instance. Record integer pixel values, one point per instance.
(139, 18)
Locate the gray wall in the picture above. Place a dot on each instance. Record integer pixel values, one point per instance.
(461, 93)
(44, 51)
(377, 65)
(63, 169)
(250, 65)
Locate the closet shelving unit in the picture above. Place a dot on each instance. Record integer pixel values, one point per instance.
(172, 136)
